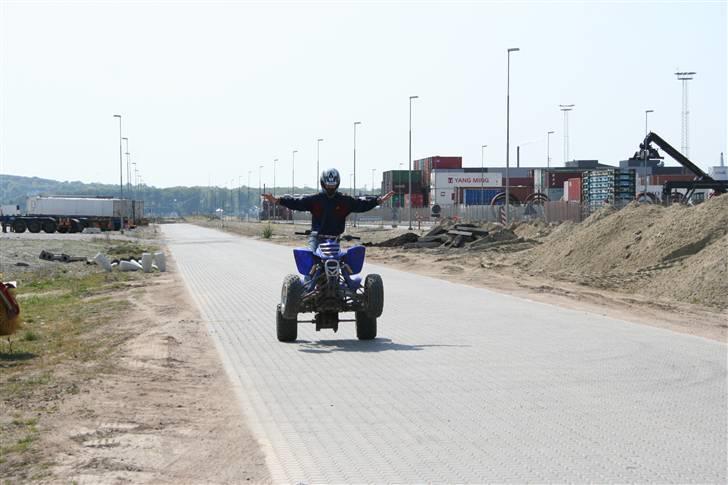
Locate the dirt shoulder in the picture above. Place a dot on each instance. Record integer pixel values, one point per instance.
(511, 269)
(129, 389)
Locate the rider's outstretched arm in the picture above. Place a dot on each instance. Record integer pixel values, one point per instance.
(367, 204)
(297, 204)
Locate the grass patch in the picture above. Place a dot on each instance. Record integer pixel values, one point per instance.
(69, 327)
(268, 232)
(30, 336)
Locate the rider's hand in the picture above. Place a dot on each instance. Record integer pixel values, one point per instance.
(385, 197)
(270, 198)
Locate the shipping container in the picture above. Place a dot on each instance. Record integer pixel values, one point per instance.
(572, 190)
(555, 194)
(479, 197)
(72, 206)
(520, 194)
(417, 200)
(661, 179)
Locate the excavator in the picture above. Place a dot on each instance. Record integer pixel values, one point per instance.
(671, 190)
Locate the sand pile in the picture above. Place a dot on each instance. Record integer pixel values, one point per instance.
(674, 251)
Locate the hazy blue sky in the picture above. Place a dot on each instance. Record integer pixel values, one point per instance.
(209, 90)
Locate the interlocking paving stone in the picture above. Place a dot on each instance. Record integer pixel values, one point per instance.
(462, 384)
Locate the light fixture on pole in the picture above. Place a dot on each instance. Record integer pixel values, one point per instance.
(318, 152)
(647, 112)
(410, 160)
(565, 108)
(548, 148)
(684, 77)
(508, 131)
(121, 178)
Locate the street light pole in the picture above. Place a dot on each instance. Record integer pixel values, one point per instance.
(293, 185)
(410, 160)
(508, 130)
(646, 154)
(481, 199)
(647, 112)
(548, 148)
(121, 178)
(248, 211)
(260, 193)
(353, 188)
(275, 160)
(318, 152)
(373, 170)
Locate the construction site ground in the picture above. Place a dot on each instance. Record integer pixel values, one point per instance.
(112, 377)
(661, 266)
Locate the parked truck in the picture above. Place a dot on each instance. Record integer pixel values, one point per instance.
(71, 214)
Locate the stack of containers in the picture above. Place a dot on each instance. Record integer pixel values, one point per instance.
(611, 186)
(397, 181)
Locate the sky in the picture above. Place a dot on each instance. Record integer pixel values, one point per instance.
(210, 91)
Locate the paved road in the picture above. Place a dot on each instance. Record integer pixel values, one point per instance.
(462, 385)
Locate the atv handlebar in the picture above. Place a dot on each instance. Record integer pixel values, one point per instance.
(345, 237)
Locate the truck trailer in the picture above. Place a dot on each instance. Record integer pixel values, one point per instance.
(72, 214)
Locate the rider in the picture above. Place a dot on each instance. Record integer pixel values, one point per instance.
(329, 207)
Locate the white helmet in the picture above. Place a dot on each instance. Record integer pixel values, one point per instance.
(330, 180)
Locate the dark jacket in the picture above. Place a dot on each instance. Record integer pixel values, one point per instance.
(328, 214)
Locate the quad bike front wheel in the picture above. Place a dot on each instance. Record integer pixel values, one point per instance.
(366, 326)
(291, 294)
(374, 295)
(286, 328)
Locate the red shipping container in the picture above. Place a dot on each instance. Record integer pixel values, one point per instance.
(446, 162)
(661, 179)
(417, 199)
(555, 180)
(573, 190)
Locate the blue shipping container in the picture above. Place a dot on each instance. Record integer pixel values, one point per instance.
(480, 197)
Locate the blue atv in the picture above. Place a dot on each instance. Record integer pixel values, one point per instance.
(329, 283)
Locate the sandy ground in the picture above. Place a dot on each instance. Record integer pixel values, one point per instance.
(470, 269)
(159, 408)
(165, 412)
(502, 273)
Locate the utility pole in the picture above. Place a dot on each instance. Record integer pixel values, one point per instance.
(508, 132)
(248, 204)
(260, 193)
(684, 77)
(410, 160)
(548, 148)
(373, 170)
(318, 152)
(566, 108)
(481, 198)
(353, 189)
(121, 179)
(293, 185)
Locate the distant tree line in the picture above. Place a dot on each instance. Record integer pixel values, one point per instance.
(157, 201)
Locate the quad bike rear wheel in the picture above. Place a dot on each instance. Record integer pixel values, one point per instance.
(366, 326)
(291, 294)
(374, 295)
(286, 328)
